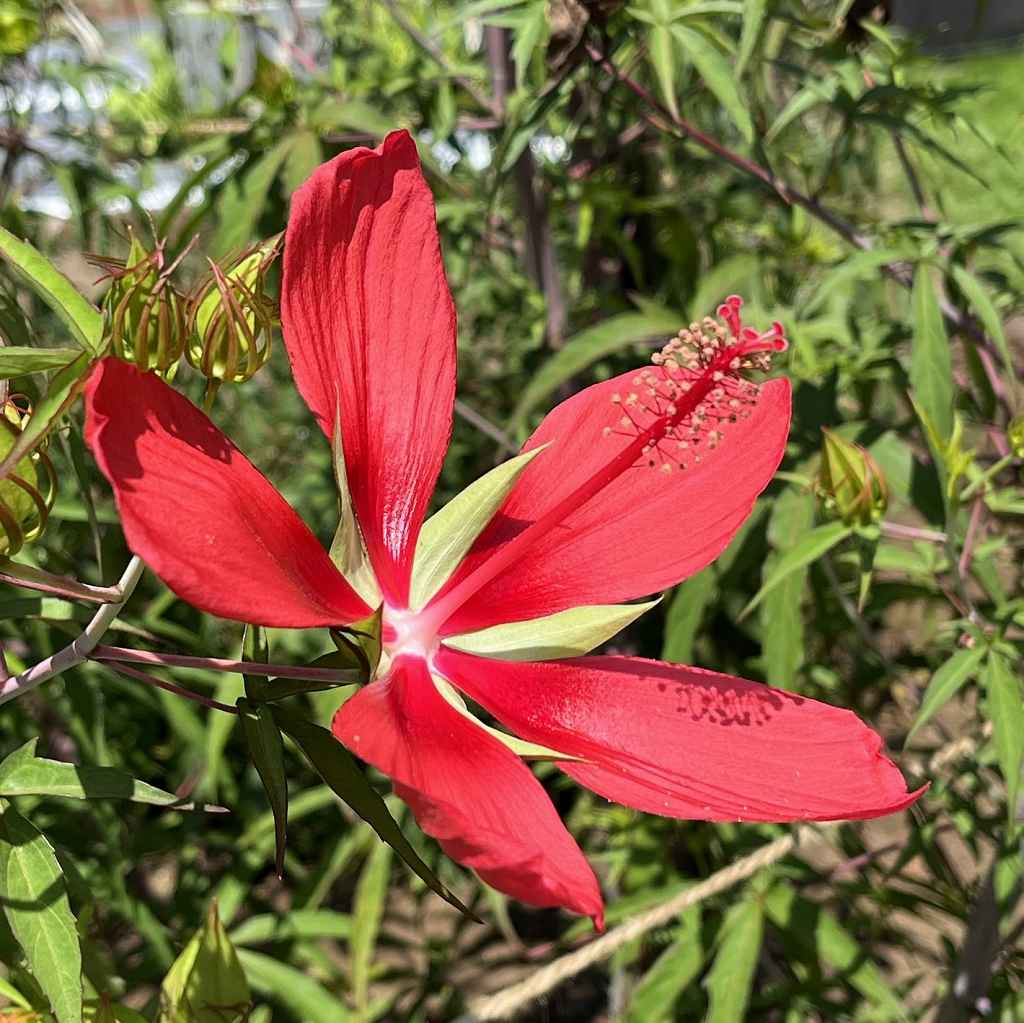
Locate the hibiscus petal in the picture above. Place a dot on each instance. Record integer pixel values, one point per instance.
(683, 742)
(369, 322)
(466, 789)
(200, 515)
(645, 531)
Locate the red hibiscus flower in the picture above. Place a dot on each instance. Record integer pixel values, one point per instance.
(624, 490)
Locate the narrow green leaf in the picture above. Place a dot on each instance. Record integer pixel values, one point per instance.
(266, 747)
(718, 76)
(17, 360)
(754, 12)
(589, 346)
(663, 58)
(731, 976)
(448, 534)
(304, 997)
(931, 367)
(35, 902)
(945, 683)
(807, 549)
(684, 615)
(985, 309)
(64, 388)
(24, 774)
(859, 266)
(340, 772)
(367, 913)
(305, 155)
(670, 974)
(76, 312)
(295, 925)
(569, 633)
(1006, 711)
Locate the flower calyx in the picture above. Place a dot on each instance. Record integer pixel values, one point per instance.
(850, 484)
(27, 493)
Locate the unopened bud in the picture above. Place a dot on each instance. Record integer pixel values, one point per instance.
(232, 318)
(144, 316)
(850, 483)
(28, 491)
(1015, 435)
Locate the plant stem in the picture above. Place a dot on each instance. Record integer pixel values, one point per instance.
(159, 683)
(993, 470)
(900, 532)
(30, 578)
(79, 649)
(343, 676)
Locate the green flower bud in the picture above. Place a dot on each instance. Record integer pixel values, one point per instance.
(144, 316)
(232, 319)
(28, 492)
(1015, 435)
(850, 483)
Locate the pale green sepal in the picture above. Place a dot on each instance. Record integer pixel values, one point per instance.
(569, 633)
(447, 535)
(521, 748)
(348, 552)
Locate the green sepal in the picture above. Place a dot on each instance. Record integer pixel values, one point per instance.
(447, 535)
(570, 633)
(266, 747)
(362, 642)
(340, 772)
(206, 983)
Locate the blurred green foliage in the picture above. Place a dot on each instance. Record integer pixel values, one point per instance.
(604, 173)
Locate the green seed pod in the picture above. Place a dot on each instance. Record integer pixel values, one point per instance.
(28, 492)
(232, 319)
(144, 316)
(850, 483)
(1015, 435)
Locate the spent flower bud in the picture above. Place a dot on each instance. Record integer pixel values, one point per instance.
(144, 315)
(232, 318)
(850, 483)
(27, 493)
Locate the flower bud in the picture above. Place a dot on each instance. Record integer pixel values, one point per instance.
(850, 483)
(144, 316)
(232, 319)
(1015, 435)
(27, 493)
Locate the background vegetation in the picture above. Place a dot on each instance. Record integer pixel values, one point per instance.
(604, 173)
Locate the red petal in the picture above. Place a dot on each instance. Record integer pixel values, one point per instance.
(200, 515)
(689, 743)
(369, 321)
(644, 532)
(469, 791)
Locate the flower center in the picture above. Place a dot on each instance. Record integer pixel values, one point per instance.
(680, 409)
(407, 632)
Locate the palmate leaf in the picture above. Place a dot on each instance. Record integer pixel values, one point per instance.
(35, 902)
(339, 770)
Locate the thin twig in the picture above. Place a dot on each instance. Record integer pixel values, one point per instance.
(897, 531)
(29, 578)
(78, 650)
(115, 653)
(159, 683)
(484, 425)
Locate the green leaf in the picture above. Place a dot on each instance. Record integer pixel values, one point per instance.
(570, 633)
(931, 367)
(663, 58)
(807, 549)
(17, 360)
(206, 984)
(683, 618)
(754, 12)
(304, 997)
(340, 772)
(589, 346)
(731, 976)
(305, 155)
(448, 534)
(295, 925)
(76, 312)
(36, 905)
(367, 913)
(985, 309)
(945, 683)
(1006, 711)
(670, 974)
(718, 76)
(64, 389)
(266, 747)
(24, 774)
